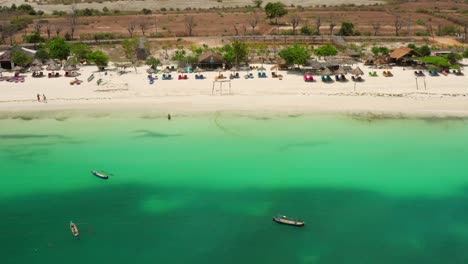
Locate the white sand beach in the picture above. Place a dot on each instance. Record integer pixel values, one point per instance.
(401, 95)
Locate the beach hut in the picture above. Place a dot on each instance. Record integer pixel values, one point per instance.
(5, 56)
(402, 56)
(210, 60)
(341, 71)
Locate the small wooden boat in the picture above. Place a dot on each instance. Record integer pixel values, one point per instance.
(100, 175)
(74, 229)
(282, 219)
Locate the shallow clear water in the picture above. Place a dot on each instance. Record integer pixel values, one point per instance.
(203, 189)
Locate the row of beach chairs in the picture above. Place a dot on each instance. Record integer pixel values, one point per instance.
(13, 79)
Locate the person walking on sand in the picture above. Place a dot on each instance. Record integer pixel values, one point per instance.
(38, 97)
(44, 99)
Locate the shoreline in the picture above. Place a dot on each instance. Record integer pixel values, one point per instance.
(280, 105)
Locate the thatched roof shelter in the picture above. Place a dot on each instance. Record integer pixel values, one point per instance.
(36, 68)
(326, 72)
(400, 53)
(357, 71)
(53, 67)
(210, 59)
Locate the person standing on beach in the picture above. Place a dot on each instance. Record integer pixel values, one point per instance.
(44, 99)
(38, 97)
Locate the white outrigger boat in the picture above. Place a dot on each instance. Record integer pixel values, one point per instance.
(100, 175)
(74, 229)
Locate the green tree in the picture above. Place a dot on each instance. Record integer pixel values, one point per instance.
(99, 58)
(240, 51)
(295, 55)
(80, 50)
(129, 46)
(326, 50)
(42, 54)
(424, 50)
(152, 62)
(465, 53)
(58, 48)
(35, 37)
(257, 3)
(20, 58)
(440, 62)
(453, 58)
(275, 10)
(347, 29)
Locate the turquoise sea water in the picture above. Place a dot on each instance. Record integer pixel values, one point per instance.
(203, 189)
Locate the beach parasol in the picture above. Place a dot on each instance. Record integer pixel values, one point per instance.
(36, 68)
(70, 68)
(151, 70)
(17, 68)
(53, 67)
(274, 67)
(357, 71)
(198, 70)
(181, 70)
(326, 72)
(51, 61)
(261, 68)
(37, 62)
(166, 70)
(340, 71)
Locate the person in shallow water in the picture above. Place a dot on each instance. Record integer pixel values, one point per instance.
(38, 97)
(168, 116)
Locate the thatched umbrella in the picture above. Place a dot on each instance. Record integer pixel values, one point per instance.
(53, 67)
(17, 68)
(181, 70)
(274, 67)
(262, 69)
(166, 70)
(198, 70)
(326, 72)
(50, 61)
(37, 62)
(36, 68)
(70, 68)
(151, 70)
(340, 71)
(357, 71)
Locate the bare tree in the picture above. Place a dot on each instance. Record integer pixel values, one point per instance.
(131, 28)
(295, 20)
(10, 31)
(37, 27)
(48, 29)
(318, 23)
(439, 29)
(58, 29)
(430, 29)
(189, 24)
(235, 29)
(397, 23)
(143, 26)
(376, 26)
(253, 21)
(73, 21)
(332, 25)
